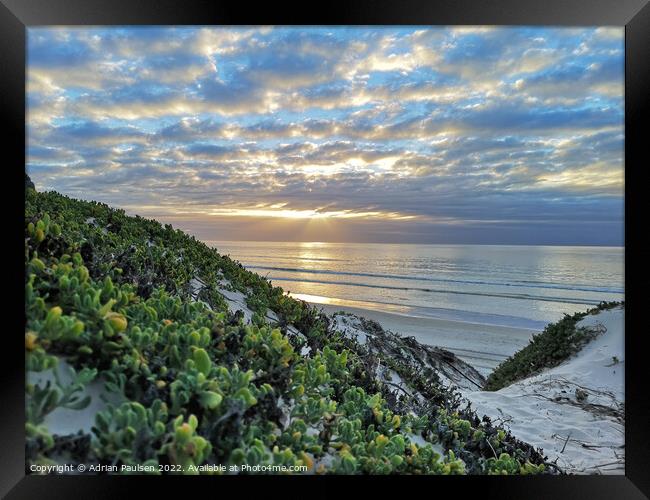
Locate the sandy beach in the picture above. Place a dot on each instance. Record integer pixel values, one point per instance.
(575, 411)
(482, 346)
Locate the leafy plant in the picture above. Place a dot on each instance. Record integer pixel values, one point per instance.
(555, 344)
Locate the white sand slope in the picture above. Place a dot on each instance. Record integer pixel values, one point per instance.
(575, 411)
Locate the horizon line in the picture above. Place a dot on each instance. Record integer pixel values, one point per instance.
(414, 243)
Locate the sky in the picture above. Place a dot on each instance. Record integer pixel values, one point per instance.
(487, 135)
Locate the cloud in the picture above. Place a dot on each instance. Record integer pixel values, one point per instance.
(474, 131)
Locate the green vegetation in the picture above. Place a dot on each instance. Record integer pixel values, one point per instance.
(555, 344)
(190, 384)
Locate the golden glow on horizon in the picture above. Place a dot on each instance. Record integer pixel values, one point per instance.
(265, 211)
(284, 213)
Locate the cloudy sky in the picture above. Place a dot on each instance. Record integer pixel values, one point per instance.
(409, 134)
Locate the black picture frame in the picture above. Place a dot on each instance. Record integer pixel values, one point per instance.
(18, 15)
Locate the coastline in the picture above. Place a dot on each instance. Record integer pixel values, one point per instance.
(483, 346)
(574, 412)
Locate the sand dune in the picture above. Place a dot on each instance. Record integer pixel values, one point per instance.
(575, 411)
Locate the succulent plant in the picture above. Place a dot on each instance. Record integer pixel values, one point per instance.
(187, 448)
(131, 433)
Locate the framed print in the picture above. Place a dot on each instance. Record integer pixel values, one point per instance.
(307, 251)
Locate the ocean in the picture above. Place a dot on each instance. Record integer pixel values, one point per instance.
(519, 286)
